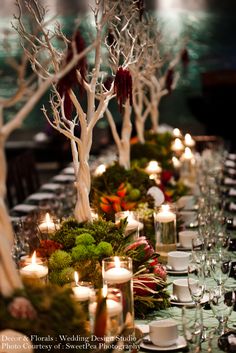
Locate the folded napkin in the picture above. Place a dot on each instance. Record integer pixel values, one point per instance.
(232, 156)
(232, 192)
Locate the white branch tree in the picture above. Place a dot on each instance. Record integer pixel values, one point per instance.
(30, 89)
(123, 48)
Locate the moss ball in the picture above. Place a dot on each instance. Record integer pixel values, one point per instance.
(80, 252)
(59, 260)
(104, 249)
(85, 239)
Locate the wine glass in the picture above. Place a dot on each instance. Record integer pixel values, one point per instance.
(196, 280)
(222, 302)
(192, 322)
(220, 265)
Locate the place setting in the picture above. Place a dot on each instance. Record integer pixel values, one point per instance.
(162, 336)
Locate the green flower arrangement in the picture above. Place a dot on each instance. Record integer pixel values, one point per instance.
(118, 189)
(84, 247)
(157, 147)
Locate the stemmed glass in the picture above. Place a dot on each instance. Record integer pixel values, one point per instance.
(196, 280)
(220, 265)
(192, 328)
(222, 303)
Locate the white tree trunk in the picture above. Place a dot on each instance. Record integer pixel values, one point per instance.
(155, 117)
(140, 124)
(9, 277)
(124, 148)
(83, 184)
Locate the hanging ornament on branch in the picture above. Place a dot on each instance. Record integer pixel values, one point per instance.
(123, 86)
(169, 79)
(70, 80)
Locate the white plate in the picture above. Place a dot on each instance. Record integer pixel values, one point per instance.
(65, 177)
(69, 170)
(51, 186)
(24, 208)
(41, 196)
(181, 343)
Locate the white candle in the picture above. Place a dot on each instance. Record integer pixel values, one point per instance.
(34, 270)
(177, 133)
(176, 162)
(113, 307)
(187, 155)
(81, 292)
(165, 215)
(117, 274)
(153, 168)
(48, 226)
(188, 141)
(100, 169)
(177, 145)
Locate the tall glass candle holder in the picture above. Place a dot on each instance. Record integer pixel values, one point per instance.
(117, 272)
(165, 229)
(114, 317)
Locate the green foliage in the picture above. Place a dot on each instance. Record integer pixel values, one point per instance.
(62, 277)
(57, 314)
(80, 253)
(85, 238)
(157, 147)
(114, 175)
(59, 260)
(104, 249)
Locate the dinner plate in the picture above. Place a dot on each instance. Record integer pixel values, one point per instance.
(69, 170)
(181, 343)
(24, 208)
(51, 186)
(41, 196)
(64, 177)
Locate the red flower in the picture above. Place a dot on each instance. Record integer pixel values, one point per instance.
(160, 271)
(166, 176)
(47, 247)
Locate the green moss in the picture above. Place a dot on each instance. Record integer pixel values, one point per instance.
(104, 249)
(85, 238)
(80, 252)
(59, 260)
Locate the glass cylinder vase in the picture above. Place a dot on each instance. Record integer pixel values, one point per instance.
(165, 229)
(117, 273)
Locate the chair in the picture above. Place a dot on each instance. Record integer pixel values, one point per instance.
(22, 178)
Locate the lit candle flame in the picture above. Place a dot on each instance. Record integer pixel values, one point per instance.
(176, 162)
(104, 291)
(76, 277)
(33, 259)
(48, 218)
(177, 145)
(188, 153)
(176, 132)
(117, 262)
(100, 169)
(188, 140)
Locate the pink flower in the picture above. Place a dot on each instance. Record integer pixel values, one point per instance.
(142, 247)
(21, 308)
(160, 271)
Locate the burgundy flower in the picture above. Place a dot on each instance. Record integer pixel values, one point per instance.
(166, 176)
(69, 81)
(123, 86)
(169, 79)
(21, 308)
